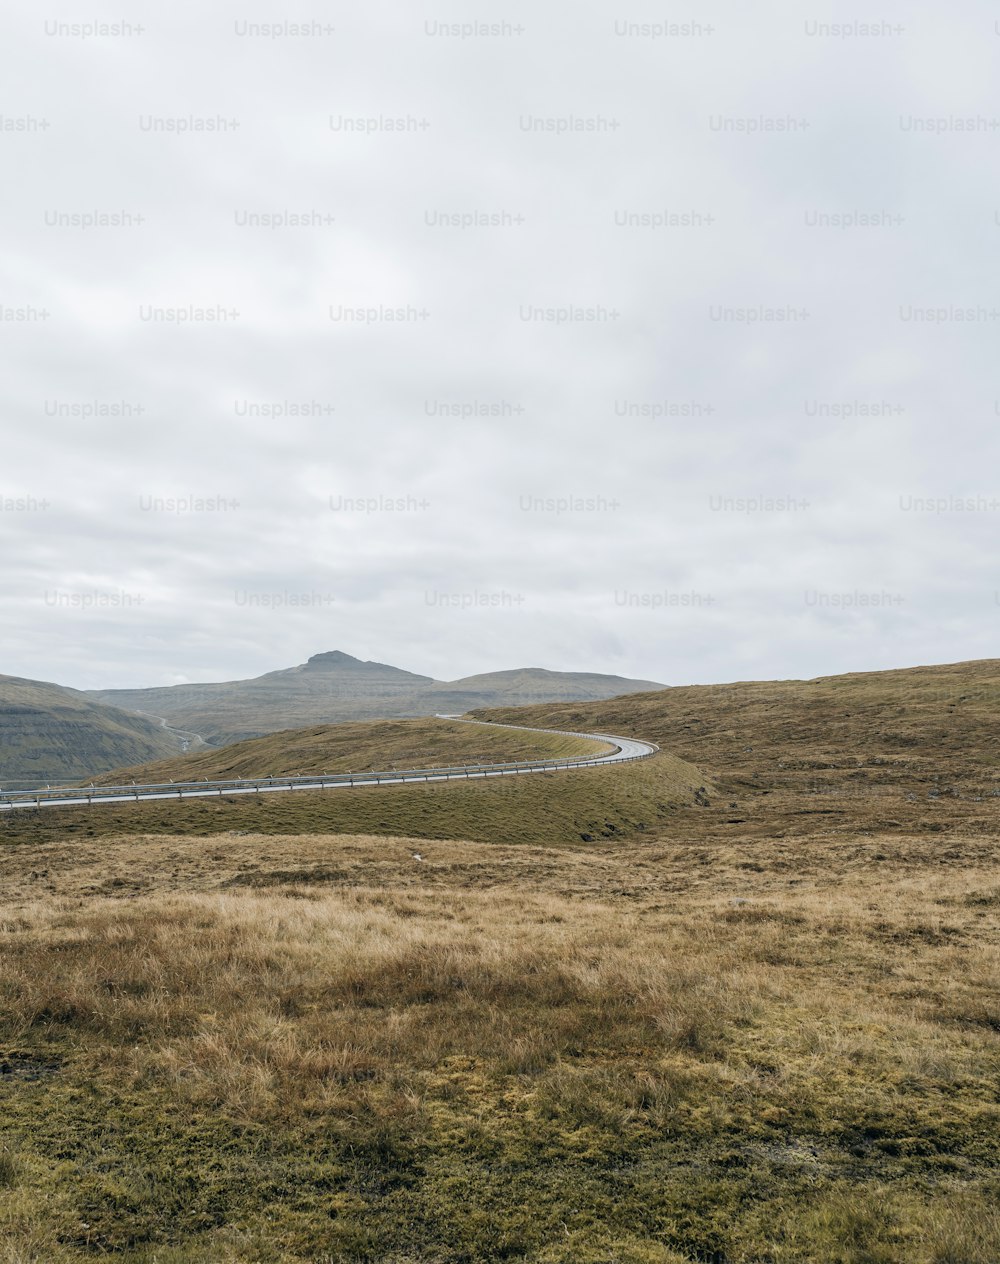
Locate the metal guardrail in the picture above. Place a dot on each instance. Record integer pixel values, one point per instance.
(94, 794)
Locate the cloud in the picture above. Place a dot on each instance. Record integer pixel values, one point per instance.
(557, 336)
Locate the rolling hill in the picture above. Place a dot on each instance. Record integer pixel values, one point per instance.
(911, 752)
(381, 744)
(910, 749)
(49, 733)
(655, 1013)
(334, 687)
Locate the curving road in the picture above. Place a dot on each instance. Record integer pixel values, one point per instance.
(625, 749)
(187, 739)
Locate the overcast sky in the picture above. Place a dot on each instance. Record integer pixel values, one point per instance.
(468, 337)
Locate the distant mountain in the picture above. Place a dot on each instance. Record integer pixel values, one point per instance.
(334, 688)
(527, 686)
(48, 733)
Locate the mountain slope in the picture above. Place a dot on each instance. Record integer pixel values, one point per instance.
(328, 689)
(334, 688)
(527, 686)
(48, 733)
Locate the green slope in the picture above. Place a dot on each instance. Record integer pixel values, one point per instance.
(51, 733)
(380, 744)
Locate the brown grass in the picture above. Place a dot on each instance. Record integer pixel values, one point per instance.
(881, 743)
(260, 1048)
(753, 1019)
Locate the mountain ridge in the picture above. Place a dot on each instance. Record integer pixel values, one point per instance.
(49, 732)
(335, 687)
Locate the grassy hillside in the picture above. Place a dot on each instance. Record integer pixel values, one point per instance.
(265, 1050)
(353, 747)
(736, 1010)
(910, 751)
(335, 688)
(555, 807)
(48, 732)
(897, 749)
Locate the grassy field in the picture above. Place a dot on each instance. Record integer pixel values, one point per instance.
(380, 745)
(756, 1022)
(315, 1048)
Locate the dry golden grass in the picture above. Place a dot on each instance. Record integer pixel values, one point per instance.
(875, 745)
(251, 1048)
(740, 1010)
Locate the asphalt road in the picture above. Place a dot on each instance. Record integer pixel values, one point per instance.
(625, 750)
